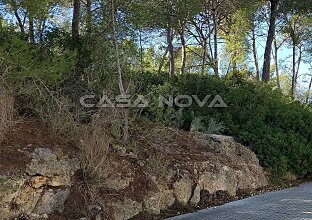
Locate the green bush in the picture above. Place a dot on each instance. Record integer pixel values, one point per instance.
(276, 128)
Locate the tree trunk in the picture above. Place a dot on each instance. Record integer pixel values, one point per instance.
(21, 24)
(255, 54)
(1, 24)
(204, 57)
(19, 21)
(215, 36)
(89, 16)
(171, 48)
(299, 61)
(276, 64)
(31, 29)
(270, 37)
(41, 31)
(309, 92)
(294, 77)
(162, 62)
(115, 43)
(125, 112)
(183, 43)
(76, 19)
(235, 71)
(141, 52)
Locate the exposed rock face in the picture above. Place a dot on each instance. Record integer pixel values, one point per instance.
(133, 185)
(225, 166)
(35, 194)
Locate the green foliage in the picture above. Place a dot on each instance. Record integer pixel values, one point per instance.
(213, 127)
(235, 38)
(32, 71)
(277, 129)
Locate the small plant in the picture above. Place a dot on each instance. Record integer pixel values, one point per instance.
(197, 125)
(214, 127)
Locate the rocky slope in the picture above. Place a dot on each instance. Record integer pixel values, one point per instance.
(163, 169)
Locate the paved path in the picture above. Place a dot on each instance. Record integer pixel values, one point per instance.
(294, 203)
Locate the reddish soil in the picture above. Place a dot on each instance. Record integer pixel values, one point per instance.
(25, 135)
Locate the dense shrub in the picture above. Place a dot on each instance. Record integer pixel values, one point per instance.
(276, 128)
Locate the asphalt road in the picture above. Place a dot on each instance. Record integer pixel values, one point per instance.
(293, 203)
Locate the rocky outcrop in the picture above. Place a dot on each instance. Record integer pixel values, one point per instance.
(135, 184)
(224, 165)
(41, 190)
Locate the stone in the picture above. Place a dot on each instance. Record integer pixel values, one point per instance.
(124, 210)
(183, 190)
(27, 194)
(167, 199)
(52, 201)
(45, 163)
(118, 183)
(151, 203)
(196, 196)
(222, 179)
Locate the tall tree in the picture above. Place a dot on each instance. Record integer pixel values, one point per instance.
(116, 48)
(76, 19)
(1, 20)
(309, 91)
(297, 30)
(89, 15)
(15, 6)
(31, 27)
(183, 48)
(268, 48)
(234, 35)
(170, 38)
(254, 51)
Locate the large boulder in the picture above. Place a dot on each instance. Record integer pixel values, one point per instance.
(41, 190)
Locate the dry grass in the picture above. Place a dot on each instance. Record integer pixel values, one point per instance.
(62, 121)
(95, 146)
(115, 122)
(6, 110)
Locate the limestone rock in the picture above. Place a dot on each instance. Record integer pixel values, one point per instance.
(183, 189)
(28, 195)
(222, 179)
(196, 196)
(123, 210)
(52, 201)
(167, 199)
(119, 183)
(45, 163)
(160, 200)
(151, 203)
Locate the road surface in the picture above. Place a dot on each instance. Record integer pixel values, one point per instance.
(293, 203)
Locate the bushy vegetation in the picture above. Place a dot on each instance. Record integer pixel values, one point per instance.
(48, 67)
(278, 129)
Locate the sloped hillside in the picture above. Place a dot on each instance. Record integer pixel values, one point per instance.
(161, 169)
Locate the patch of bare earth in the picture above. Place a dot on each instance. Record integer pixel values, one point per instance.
(22, 138)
